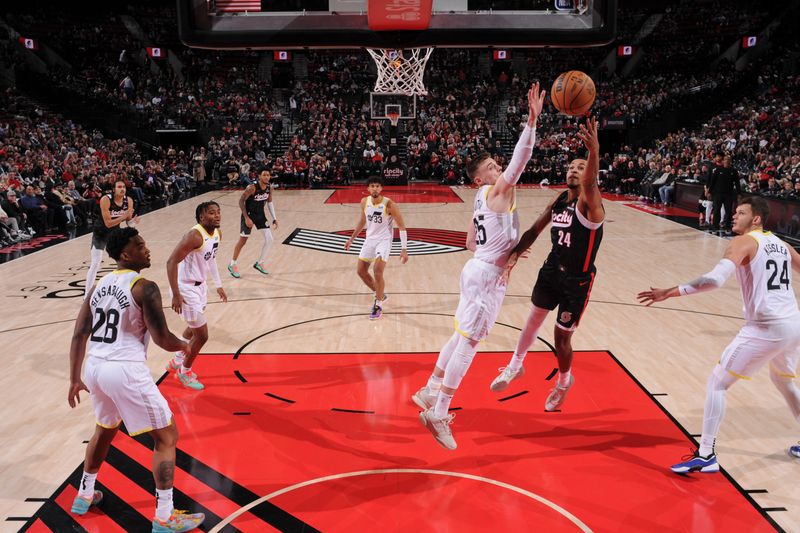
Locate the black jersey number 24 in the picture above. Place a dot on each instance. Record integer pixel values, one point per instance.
(783, 280)
(108, 319)
(480, 231)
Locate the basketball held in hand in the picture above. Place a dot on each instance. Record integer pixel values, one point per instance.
(573, 93)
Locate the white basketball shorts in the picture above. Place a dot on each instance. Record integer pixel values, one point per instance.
(375, 248)
(124, 391)
(758, 344)
(195, 299)
(482, 296)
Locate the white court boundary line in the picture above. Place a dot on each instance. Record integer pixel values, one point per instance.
(560, 510)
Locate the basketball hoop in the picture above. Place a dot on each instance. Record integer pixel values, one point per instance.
(394, 118)
(401, 71)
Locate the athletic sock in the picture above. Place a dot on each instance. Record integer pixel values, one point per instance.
(442, 404)
(233, 262)
(163, 504)
(185, 369)
(563, 378)
(516, 361)
(87, 485)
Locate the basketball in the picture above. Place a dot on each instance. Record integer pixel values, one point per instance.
(573, 93)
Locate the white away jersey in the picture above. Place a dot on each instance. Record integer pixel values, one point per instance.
(766, 281)
(496, 234)
(197, 264)
(118, 330)
(379, 222)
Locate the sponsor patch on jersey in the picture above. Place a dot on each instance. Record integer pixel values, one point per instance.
(421, 241)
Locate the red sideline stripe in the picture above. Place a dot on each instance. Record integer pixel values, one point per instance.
(94, 520)
(194, 488)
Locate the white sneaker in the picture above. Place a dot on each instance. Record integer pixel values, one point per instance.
(425, 398)
(439, 428)
(506, 376)
(557, 395)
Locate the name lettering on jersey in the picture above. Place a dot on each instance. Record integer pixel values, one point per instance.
(775, 248)
(563, 219)
(111, 290)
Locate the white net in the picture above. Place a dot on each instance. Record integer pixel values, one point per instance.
(401, 71)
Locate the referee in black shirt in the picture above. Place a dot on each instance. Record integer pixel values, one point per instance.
(724, 188)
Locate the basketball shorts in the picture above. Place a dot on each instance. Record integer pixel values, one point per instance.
(373, 249)
(758, 344)
(481, 298)
(99, 240)
(195, 299)
(258, 223)
(124, 391)
(568, 292)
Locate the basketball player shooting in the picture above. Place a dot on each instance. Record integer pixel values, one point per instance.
(187, 269)
(763, 266)
(116, 319)
(565, 280)
(378, 213)
(492, 235)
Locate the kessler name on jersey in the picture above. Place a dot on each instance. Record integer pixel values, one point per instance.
(774, 248)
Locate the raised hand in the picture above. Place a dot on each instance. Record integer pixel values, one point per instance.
(588, 135)
(535, 103)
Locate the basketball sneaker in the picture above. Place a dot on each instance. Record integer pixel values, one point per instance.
(376, 313)
(506, 376)
(80, 505)
(697, 463)
(260, 268)
(173, 365)
(178, 521)
(557, 395)
(234, 271)
(795, 450)
(425, 398)
(189, 380)
(439, 428)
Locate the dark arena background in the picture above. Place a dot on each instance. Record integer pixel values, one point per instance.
(306, 421)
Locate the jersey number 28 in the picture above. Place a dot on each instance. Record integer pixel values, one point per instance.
(110, 320)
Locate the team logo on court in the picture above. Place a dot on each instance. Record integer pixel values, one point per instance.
(421, 241)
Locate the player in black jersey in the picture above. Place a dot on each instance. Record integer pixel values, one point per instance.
(252, 205)
(566, 278)
(115, 208)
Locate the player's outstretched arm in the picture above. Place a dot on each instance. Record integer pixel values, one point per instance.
(146, 294)
(530, 236)
(590, 191)
(77, 350)
(191, 241)
(362, 221)
(741, 248)
(524, 147)
(394, 209)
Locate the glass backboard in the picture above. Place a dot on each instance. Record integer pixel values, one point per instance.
(297, 24)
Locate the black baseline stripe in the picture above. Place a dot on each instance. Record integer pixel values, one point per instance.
(553, 411)
(56, 518)
(36, 499)
(772, 509)
(240, 376)
(517, 395)
(352, 411)
(143, 477)
(17, 518)
(757, 491)
(660, 394)
(455, 409)
(278, 397)
(291, 236)
(240, 495)
(242, 413)
(552, 374)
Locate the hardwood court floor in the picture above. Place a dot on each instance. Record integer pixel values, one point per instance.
(313, 302)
